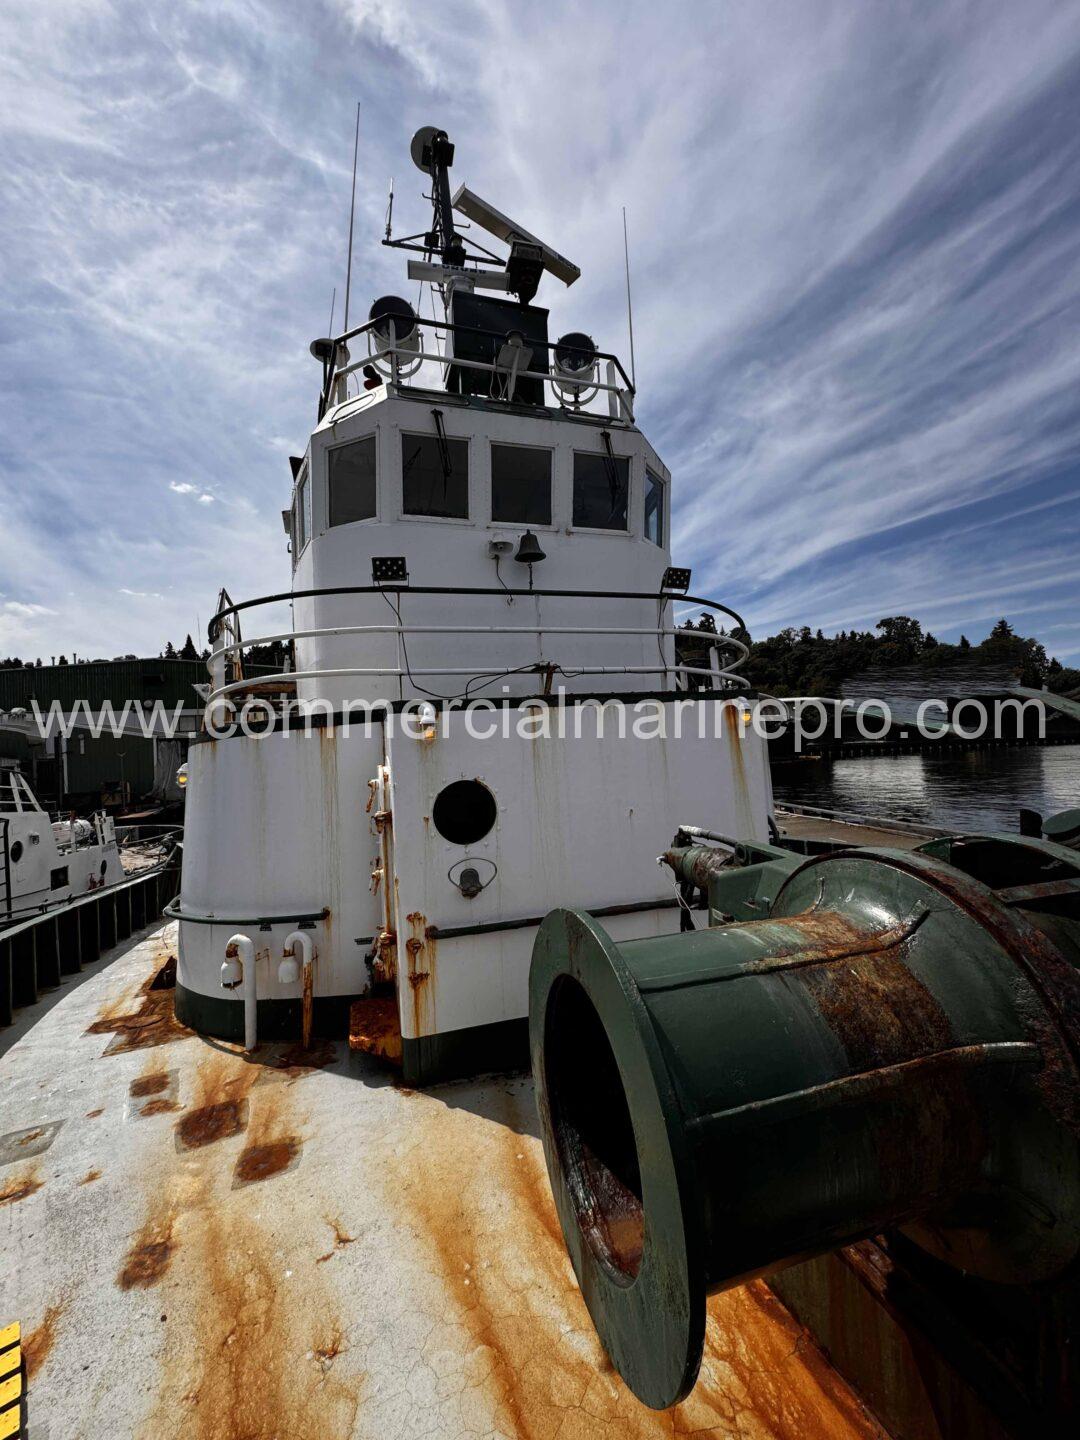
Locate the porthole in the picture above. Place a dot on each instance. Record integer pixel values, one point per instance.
(16, 852)
(464, 812)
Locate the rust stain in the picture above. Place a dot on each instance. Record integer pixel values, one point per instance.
(302, 1061)
(328, 1351)
(18, 1187)
(341, 1239)
(260, 1162)
(144, 1018)
(90, 1177)
(152, 1084)
(223, 1083)
(272, 1146)
(37, 1346)
(533, 1367)
(876, 1006)
(267, 1359)
(421, 950)
(207, 1124)
(150, 1255)
(738, 770)
(93, 1114)
(375, 1027)
(160, 1106)
(30, 1137)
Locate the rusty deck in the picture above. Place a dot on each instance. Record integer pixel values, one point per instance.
(205, 1245)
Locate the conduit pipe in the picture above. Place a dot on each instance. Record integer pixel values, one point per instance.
(239, 970)
(298, 943)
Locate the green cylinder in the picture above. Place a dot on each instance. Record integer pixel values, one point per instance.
(894, 1045)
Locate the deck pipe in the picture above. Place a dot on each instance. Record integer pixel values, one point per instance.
(894, 1044)
(239, 970)
(299, 942)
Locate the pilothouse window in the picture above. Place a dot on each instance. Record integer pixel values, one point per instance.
(654, 508)
(303, 512)
(435, 477)
(520, 485)
(601, 487)
(352, 481)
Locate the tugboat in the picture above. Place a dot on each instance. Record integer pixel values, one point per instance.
(45, 863)
(226, 1233)
(477, 524)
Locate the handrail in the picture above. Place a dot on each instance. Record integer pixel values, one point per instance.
(332, 371)
(414, 672)
(224, 631)
(660, 596)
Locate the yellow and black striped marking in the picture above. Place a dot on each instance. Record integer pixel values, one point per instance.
(11, 1381)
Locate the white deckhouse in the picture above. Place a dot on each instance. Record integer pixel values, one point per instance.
(482, 714)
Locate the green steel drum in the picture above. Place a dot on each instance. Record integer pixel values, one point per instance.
(893, 1045)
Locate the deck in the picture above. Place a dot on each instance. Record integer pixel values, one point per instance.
(206, 1245)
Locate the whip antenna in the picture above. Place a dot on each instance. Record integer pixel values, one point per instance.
(629, 307)
(352, 214)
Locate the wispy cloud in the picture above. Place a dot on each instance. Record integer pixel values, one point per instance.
(856, 260)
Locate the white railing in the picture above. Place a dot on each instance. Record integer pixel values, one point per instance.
(228, 646)
(398, 360)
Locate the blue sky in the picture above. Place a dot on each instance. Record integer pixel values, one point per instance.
(855, 239)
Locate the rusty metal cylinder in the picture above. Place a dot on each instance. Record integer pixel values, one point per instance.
(893, 1046)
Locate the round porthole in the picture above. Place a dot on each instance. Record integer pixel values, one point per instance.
(16, 852)
(464, 812)
(104, 866)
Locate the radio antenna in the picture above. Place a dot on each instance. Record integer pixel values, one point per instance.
(390, 209)
(629, 307)
(333, 302)
(352, 214)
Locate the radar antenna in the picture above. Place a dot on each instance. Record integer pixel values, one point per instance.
(520, 272)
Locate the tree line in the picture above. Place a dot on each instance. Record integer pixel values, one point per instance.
(270, 655)
(802, 661)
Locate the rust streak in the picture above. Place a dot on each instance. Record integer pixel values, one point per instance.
(37, 1346)
(341, 1239)
(90, 1177)
(20, 1186)
(271, 1147)
(150, 1255)
(421, 951)
(529, 1354)
(144, 1018)
(160, 1106)
(152, 1084)
(260, 1364)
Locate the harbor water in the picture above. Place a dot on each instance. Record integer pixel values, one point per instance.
(973, 790)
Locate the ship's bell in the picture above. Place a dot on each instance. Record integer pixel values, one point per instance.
(528, 551)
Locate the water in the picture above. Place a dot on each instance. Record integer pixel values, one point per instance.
(973, 790)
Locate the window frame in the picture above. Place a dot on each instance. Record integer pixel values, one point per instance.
(302, 511)
(345, 445)
(661, 483)
(628, 461)
(550, 451)
(410, 515)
